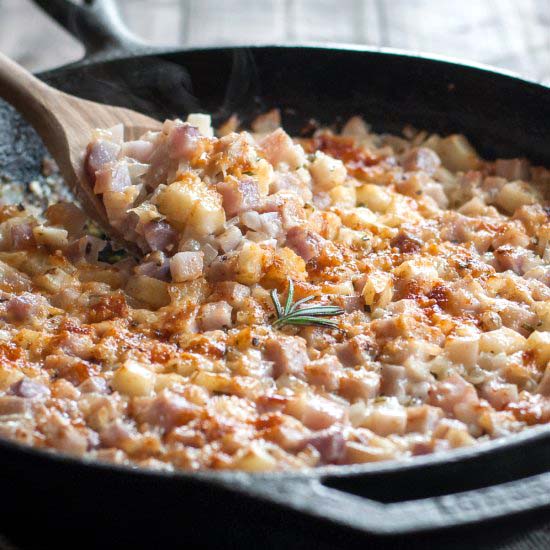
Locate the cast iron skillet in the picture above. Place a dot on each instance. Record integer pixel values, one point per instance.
(504, 116)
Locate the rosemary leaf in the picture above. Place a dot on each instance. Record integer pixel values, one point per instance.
(302, 301)
(292, 314)
(290, 298)
(276, 303)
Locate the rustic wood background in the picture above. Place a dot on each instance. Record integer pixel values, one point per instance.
(511, 34)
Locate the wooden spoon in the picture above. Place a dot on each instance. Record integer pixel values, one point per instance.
(65, 122)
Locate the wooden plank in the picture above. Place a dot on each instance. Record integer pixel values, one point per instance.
(504, 33)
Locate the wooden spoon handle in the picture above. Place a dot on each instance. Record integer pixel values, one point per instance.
(29, 95)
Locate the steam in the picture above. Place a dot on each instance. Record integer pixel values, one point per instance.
(243, 90)
(123, 70)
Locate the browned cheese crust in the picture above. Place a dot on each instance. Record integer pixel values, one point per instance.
(440, 261)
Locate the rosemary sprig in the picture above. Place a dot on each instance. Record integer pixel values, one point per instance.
(294, 314)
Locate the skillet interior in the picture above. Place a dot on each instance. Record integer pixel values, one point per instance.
(503, 116)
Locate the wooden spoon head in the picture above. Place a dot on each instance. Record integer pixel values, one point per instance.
(82, 118)
(65, 124)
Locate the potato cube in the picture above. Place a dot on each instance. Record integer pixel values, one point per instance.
(378, 289)
(133, 379)
(327, 172)
(286, 264)
(117, 203)
(457, 154)
(208, 215)
(374, 197)
(52, 237)
(503, 340)
(542, 310)
(255, 459)
(539, 344)
(203, 122)
(417, 270)
(177, 200)
(252, 261)
(150, 291)
(344, 288)
(463, 349)
(343, 196)
(516, 194)
(186, 266)
(263, 173)
(54, 280)
(358, 218)
(386, 420)
(190, 202)
(357, 453)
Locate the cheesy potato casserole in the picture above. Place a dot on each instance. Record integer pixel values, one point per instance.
(343, 298)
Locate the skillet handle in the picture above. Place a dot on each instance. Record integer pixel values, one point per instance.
(314, 499)
(98, 26)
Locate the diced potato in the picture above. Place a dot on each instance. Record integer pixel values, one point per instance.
(378, 290)
(457, 154)
(169, 380)
(176, 201)
(502, 340)
(13, 280)
(459, 438)
(353, 238)
(203, 122)
(54, 280)
(52, 237)
(418, 270)
(357, 453)
(343, 196)
(31, 340)
(147, 212)
(344, 288)
(148, 290)
(190, 203)
(186, 266)
(117, 203)
(188, 293)
(208, 216)
(133, 379)
(213, 381)
(516, 194)
(252, 261)
(539, 344)
(355, 127)
(9, 375)
(326, 224)
(327, 172)
(190, 363)
(263, 172)
(542, 310)
(256, 459)
(358, 218)
(286, 264)
(386, 420)
(374, 197)
(110, 276)
(463, 348)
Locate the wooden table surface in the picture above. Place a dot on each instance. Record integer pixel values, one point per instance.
(511, 34)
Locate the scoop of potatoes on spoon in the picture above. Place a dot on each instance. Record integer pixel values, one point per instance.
(65, 123)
